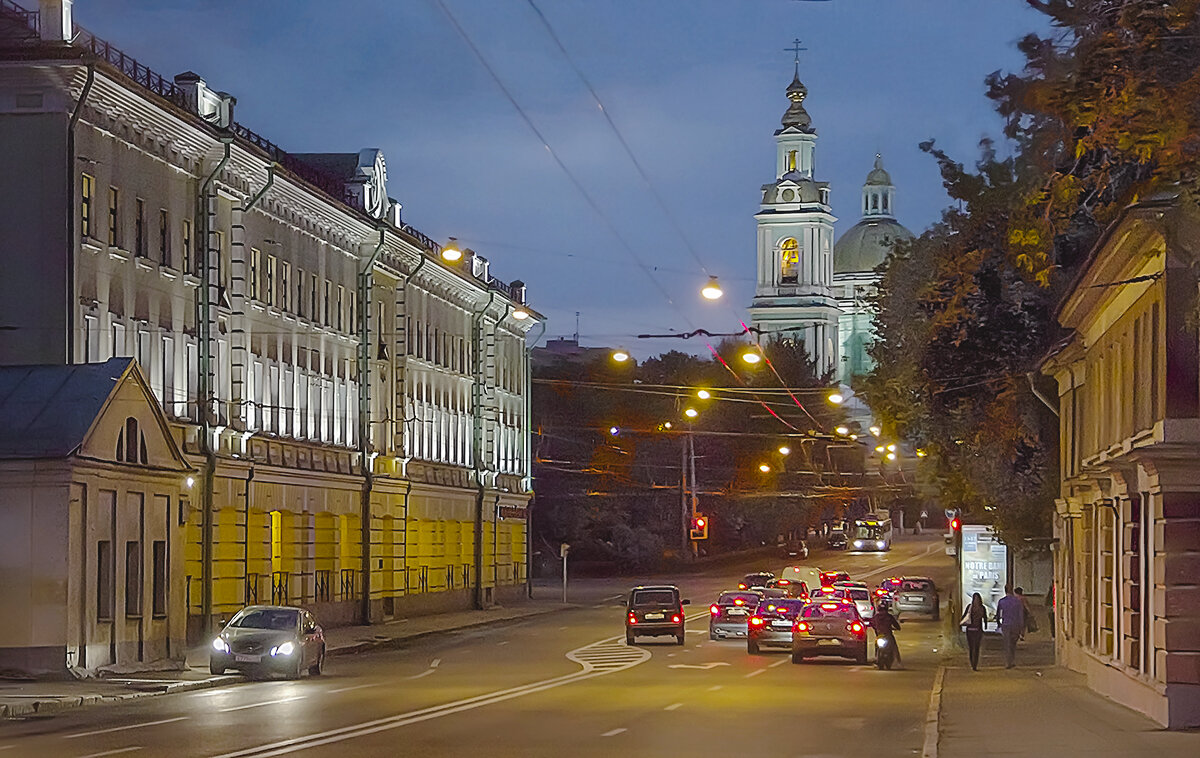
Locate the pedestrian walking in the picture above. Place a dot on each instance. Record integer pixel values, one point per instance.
(1030, 622)
(972, 621)
(1010, 614)
(1050, 608)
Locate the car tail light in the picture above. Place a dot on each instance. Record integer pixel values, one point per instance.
(676, 619)
(741, 586)
(632, 617)
(880, 592)
(714, 610)
(801, 626)
(856, 627)
(756, 621)
(739, 601)
(829, 606)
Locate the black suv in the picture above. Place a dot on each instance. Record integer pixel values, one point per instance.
(654, 611)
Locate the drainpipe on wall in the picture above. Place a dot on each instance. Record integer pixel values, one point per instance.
(528, 462)
(365, 459)
(1038, 394)
(72, 239)
(204, 332)
(477, 443)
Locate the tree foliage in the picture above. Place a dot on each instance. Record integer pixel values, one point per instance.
(1106, 110)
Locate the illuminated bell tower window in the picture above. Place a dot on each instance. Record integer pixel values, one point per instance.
(791, 160)
(789, 260)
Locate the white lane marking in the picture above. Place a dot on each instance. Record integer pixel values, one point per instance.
(701, 666)
(265, 702)
(563, 628)
(355, 687)
(614, 732)
(583, 656)
(714, 688)
(123, 728)
(502, 642)
(118, 751)
(778, 663)
(421, 675)
(436, 662)
(891, 566)
(755, 672)
(673, 706)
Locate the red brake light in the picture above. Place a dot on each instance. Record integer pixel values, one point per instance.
(632, 617)
(856, 627)
(741, 586)
(802, 627)
(675, 619)
(829, 606)
(784, 581)
(739, 601)
(714, 610)
(756, 621)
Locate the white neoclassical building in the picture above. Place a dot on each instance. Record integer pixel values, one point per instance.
(355, 407)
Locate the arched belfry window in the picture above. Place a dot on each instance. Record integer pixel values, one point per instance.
(131, 443)
(885, 202)
(874, 202)
(789, 259)
(791, 160)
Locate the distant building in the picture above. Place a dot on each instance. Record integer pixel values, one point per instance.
(355, 408)
(560, 350)
(856, 256)
(1127, 521)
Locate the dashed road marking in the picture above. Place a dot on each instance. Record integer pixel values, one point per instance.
(355, 687)
(673, 706)
(755, 672)
(118, 751)
(436, 662)
(779, 663)
(265, 702)
(614, 732)
(123, 728)
(714, 688)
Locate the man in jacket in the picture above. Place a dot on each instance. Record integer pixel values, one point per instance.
(1010, 614)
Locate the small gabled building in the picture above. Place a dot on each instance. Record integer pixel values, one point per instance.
(93, 501)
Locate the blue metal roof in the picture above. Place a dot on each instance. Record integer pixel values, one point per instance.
(47, 410)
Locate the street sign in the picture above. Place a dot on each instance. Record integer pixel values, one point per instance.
(563, 549)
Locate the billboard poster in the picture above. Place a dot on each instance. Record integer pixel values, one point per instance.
(984, 562)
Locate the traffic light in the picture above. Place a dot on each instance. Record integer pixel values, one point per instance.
(699, 527)
(955, 524)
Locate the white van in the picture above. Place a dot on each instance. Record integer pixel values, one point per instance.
(808, 577)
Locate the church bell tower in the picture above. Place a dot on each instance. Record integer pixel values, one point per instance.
(794, 297)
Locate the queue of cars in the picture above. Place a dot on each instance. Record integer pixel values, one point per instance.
(813, 613)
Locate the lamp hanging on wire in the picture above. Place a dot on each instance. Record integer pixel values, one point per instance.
(712, 290)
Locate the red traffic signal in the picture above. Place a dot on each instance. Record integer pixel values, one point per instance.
(699, 529)
(955, 524)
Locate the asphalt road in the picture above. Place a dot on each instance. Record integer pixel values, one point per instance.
(559, 684)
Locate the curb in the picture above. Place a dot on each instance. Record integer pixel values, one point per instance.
(395, 643)
(933, 715)
(58, 705)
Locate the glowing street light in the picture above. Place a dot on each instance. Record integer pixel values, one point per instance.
(892, 447)
(704, 394)
(520, 314)
(879, 448)
(921, 453)
(712, 290)
(836, 398)
(614, 430)
(666, 425)
(784, 450)
(691, 413)
(764, 468)
(450, 252)
(620, 355)
(891, 456)
(842, 430)
(875, 430)
(751, 357)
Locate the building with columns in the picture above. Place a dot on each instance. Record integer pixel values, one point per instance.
(793, 297)
(856, 256)
(1127, 522)
(354, 407)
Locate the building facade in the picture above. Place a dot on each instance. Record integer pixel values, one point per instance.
(856, 256)
(1127, 523)
(356, 408)
(793, 298)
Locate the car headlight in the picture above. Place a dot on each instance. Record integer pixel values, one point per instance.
(285, 649)
(220, 645)
(858, 543)
(879, 544)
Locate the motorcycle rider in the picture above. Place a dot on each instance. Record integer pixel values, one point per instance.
(885, 625)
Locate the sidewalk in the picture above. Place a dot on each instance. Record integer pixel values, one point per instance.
(1039, 709)
(27, 698)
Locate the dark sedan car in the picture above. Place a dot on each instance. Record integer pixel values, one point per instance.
(757, 579)
(771, 624)
(836, 541)
(829, 628)
(269, 639)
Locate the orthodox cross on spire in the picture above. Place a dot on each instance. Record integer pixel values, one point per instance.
(795, 50)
